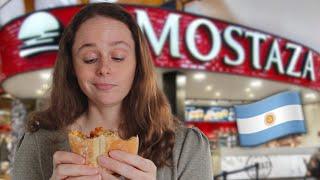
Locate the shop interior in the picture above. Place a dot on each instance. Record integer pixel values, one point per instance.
(208, 105)
(208, 97)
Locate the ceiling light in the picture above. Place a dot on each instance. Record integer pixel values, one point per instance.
(251, 95)
(213, 103)
(39, 92)
(45, 75)
(310, 96)
(199, 76)
(256, 83)
(9, 96)
(248, 90)
(218, 94)
(181, 80)
(208, 88)
(45, 86)
(187, 102)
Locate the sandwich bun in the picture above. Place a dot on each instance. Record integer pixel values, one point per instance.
(100, 142)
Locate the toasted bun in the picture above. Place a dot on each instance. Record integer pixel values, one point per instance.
(100, 142)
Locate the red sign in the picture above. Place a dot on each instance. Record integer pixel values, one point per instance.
(177, 40)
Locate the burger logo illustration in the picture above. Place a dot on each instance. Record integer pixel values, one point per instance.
(39, 32)
(269, 119)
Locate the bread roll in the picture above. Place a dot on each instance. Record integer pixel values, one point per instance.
(100, 142)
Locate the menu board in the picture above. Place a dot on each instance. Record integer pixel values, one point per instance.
(209, 113)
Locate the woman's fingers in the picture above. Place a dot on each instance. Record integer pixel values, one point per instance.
(107, 175)
(72, 166)
(139, 162)
(129, 165)
(67, 157)
(121, 168)
(75, 170)
(95, 177)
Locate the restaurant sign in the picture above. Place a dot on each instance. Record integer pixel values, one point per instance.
(177, 40)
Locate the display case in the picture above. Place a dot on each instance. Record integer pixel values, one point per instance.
(274, 163)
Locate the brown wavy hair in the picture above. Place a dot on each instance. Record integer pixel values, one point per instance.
(145, 108)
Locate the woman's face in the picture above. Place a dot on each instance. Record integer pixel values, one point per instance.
(104, 60)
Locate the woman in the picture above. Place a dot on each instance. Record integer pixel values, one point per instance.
(104, 77)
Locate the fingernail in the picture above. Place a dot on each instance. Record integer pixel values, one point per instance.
(99, 177)
(114, 153)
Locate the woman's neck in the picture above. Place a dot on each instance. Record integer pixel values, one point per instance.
(108, 117)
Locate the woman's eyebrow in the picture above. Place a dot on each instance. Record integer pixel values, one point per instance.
(116, 43)
(86, 45)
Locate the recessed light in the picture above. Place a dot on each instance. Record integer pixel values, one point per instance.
(248, 90)
(45, 86)
(45, 75)
(310, 96)
(218, 94)
(187, 102)
(256, 83)
(251, 95)
(208, 88)
(9, 96)
(213, 103)
(181, 80)
(199, 76)
(39, 92)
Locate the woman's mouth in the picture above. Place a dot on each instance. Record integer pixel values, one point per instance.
(104, 86)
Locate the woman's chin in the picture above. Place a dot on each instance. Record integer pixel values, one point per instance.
(106, 102)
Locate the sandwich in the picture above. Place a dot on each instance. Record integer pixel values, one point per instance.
(100, 142)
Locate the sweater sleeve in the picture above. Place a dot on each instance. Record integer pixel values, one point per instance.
(26, 165)
(195, 161)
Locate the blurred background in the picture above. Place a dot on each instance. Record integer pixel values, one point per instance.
(199, 98)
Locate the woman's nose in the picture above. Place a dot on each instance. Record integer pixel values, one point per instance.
(104, 68)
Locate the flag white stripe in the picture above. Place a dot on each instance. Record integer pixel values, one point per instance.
(281, 114)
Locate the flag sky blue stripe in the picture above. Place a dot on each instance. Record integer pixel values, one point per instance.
(267, 104)
(254, 139)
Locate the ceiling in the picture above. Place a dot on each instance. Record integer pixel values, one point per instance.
(295, 20)
(34, 84)
(234, 89)
(225, 89)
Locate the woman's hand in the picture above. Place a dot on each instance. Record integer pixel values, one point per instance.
(127, 165)
(68, 165)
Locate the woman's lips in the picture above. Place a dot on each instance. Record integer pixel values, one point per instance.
(104, 86)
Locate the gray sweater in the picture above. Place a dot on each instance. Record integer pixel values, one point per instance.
(191, 155)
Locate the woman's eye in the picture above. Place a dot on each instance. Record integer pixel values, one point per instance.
(117, 58)
(90, 61)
